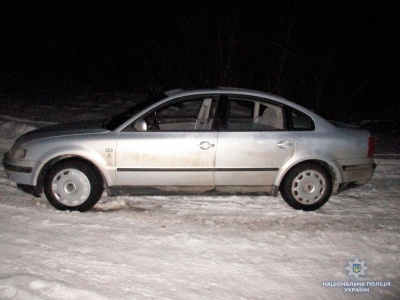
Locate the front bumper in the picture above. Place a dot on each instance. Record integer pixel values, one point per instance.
(19, 169)
(19, 172)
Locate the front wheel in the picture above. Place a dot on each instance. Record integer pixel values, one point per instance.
(307, 187)
(73, 185)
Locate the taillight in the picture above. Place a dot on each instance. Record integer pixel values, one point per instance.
(371, 146)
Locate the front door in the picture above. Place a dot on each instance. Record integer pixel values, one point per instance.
(178, 149)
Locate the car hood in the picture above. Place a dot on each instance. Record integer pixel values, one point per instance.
(75, 128)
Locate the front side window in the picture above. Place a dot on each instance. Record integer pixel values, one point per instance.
(186, 115)
(118, 120)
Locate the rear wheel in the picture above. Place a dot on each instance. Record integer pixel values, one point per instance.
(73, 185)
(307, 187)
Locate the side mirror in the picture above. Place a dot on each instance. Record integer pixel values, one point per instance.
(140, 125)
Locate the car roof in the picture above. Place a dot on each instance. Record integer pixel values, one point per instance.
(235, 91)
(248, 92)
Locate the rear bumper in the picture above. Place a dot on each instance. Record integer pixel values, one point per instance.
(358, 174)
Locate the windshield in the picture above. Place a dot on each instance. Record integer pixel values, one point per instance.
(116, 121)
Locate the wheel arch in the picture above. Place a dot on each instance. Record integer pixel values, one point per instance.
(47, 166)
(333, 170)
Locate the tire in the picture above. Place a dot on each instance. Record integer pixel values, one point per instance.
(73, 185)
(307, 187)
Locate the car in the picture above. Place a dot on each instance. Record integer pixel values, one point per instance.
(212, 141)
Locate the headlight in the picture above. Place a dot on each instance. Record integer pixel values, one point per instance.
(17, 152)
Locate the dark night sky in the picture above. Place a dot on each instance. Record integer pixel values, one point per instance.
(325, 55)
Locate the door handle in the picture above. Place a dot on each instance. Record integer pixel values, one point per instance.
(284, 144)
(205, 145)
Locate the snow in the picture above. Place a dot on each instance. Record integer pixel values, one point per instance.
(219, 247)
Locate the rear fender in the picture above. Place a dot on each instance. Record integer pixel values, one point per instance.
(333, 169)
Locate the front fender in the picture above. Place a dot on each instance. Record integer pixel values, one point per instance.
(103, 160)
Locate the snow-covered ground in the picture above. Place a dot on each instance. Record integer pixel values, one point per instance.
(231, 247)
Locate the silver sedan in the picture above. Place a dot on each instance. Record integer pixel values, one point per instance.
(198, 141)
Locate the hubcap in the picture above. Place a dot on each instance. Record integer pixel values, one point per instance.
(308, 187)
(71, 187)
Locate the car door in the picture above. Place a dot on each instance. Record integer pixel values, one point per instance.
(253, 145)
(177, 149)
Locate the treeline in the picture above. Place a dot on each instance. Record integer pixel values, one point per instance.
(332, 56)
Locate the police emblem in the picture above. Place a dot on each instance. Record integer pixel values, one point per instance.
(356, 268)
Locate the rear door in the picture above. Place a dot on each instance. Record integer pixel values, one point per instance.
(253, 144)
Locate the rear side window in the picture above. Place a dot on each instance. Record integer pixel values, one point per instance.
(300, 121)
(253, 115)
